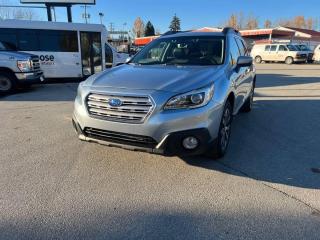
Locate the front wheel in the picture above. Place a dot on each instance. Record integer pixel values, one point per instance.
(7, 83)
(220, 147)
(289, 60)
(258, 59)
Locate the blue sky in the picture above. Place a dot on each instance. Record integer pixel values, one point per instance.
(193, 13)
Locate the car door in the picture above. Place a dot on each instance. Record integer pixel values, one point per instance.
(237, 75)
(266, 53)
(282, 53)
(273, 54)
(247, 72)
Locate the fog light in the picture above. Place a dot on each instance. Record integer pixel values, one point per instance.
(190, 143)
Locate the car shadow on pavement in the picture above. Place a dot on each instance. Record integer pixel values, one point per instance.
(277, 80)
(107, 223)
(48, 92)
(278, 142)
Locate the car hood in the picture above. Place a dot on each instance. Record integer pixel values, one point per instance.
(16, 55)
(156, 77)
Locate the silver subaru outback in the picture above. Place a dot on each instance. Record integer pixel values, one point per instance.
(177, 96)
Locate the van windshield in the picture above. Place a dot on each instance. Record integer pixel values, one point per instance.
(304, 48)
(292, 48)
(5, 46)
(190, 50)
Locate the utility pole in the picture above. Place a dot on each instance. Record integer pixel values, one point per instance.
(111, 28)
(101, 17)
(85, 15)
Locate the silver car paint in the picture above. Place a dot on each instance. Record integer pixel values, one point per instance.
(161, 83)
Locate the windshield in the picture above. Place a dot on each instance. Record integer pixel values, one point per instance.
(182, 51)
(5, 46)
(292, 48)
(304, 48)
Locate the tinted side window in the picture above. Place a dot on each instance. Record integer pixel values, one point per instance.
(273, 48)
(8, 37)
(27, 40)
(241, 46)
(282, 48)
(58, 41)
(267, 48)
(234, 50)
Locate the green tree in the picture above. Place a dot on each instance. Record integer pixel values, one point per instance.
(149, 30)
(175, 24)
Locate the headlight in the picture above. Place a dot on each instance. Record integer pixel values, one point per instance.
(24, 65)
(193, 99)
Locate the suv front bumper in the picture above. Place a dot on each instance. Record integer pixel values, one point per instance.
(171, 144)
(30, 77)
(161, 133)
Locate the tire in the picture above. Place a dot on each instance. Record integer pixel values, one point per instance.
(258, 59)
(219, 148)
(7, 83)
(289, 60)
(247, 106)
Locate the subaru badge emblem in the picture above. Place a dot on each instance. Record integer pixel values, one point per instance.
(115, 102)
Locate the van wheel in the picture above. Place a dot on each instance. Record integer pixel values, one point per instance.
(258, 59)
(220, 146)
(7, 83)
(289, 60)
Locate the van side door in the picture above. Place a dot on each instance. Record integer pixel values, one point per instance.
(273, 54)
(282, 53)
(266, 53)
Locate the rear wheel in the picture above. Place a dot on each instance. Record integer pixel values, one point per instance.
(7, 83)
(289, 60)
(220, 147)
(258, 59)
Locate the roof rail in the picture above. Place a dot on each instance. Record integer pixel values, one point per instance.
(226, 30)
(173, 32)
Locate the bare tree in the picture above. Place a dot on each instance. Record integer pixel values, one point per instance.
(252, 22)
(138, 28)
(267, 23)
(299, 22)
(310, 23)
(233, 21)
(16, 13)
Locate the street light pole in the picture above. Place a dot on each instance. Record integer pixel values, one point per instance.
(101, 17)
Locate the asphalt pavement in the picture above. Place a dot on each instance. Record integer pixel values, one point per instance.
(53, 186)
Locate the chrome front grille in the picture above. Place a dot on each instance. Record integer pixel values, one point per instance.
(35, 63)
(133, 109)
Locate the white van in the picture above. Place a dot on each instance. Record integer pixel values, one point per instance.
(65, 50)
(316, 54)
(277, 53)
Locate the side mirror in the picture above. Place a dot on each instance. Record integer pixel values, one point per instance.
(244, 61)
